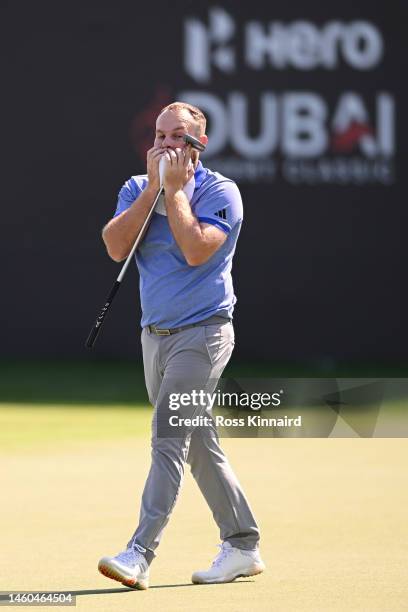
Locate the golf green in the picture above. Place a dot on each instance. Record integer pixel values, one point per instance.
(332, 514)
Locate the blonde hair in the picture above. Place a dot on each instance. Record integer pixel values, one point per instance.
(196, 114)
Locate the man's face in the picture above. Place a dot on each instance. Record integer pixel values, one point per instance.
(171, 126)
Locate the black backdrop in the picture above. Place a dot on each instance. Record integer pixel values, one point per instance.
(320, 271)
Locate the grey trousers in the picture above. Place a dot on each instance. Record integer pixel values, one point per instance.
(195, 356)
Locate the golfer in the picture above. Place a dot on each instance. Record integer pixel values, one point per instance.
(187, 300)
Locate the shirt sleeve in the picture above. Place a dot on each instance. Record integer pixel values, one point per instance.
(220, 205)
(127, 195)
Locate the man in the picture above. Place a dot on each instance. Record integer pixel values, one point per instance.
(187, 302)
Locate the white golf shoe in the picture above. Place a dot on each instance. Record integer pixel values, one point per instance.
(230, 563)
(128, 567)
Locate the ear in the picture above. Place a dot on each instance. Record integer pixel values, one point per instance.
(204, 139)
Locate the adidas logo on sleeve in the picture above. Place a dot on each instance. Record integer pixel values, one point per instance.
(222, 214)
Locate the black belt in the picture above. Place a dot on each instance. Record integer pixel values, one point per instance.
(213, 320)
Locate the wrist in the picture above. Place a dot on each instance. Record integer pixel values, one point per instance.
(151, 189)
(172, 190)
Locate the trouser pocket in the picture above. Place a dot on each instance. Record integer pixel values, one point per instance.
(219, 342)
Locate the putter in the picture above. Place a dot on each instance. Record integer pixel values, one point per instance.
(93, 334)
(194, 142)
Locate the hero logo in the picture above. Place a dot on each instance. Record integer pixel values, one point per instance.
(350, 141)
(300, 45)
(198, 42)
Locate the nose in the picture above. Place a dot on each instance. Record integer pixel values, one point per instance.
(166, 142)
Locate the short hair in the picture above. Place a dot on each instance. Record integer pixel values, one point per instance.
(195, 113)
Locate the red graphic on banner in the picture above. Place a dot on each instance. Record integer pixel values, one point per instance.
(143, 125)
(345, 142)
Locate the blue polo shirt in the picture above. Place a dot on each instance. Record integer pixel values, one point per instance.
(172, 292)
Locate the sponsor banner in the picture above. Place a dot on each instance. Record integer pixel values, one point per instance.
(258, 132)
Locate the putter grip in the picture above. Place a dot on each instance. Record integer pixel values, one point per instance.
(90, 341)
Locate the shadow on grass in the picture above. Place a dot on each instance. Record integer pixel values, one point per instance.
(153, 586)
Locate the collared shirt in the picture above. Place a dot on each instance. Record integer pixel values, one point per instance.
(172, 292)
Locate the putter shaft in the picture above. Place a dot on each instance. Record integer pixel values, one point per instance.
(93, 334)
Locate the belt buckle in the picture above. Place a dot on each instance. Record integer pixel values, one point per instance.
(161, 332)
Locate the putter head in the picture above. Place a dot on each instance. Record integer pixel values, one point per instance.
(194, 142)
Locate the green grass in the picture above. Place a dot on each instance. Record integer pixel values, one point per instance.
(103, 383)
(23, 426)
